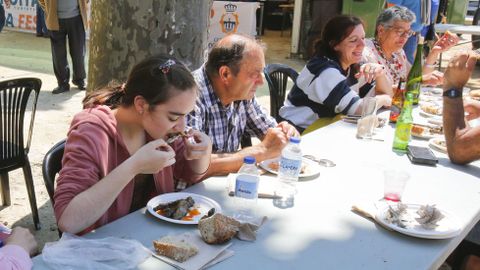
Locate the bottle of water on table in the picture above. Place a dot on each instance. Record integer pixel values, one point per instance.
(289, 168)
(246, 189)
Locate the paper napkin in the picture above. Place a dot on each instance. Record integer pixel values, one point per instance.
(208, 255)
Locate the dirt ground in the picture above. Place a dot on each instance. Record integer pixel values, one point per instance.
(53, 116)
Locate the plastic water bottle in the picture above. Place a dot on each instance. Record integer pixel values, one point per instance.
(289, 168)
(246, 189)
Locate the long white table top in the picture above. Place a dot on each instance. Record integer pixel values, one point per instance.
(458, 28)
(320, 231)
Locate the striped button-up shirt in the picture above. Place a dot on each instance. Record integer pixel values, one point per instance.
(225, 125)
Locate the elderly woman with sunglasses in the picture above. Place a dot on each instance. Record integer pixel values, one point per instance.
(386, 48)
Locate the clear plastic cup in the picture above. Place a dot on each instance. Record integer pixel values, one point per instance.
(366, 124)
(394, 185)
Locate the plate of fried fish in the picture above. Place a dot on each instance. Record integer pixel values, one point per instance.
(309, 167)
(182, 207)
(426, 131)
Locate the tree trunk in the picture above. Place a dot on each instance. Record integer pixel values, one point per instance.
(125, 32)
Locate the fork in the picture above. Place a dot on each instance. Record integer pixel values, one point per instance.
(322, 161)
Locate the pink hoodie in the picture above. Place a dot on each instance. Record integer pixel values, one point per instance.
(94, 148)
(13, 257)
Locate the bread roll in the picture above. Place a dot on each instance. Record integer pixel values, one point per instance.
(176, 249)
(218, 228)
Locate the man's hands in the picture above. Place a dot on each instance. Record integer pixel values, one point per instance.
(459, 71)
(288, 129)
(433, 78)
(277, 138)
(273, 142)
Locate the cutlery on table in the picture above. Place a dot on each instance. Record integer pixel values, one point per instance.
(321, 161)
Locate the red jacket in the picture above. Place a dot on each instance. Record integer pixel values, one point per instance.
(94, 148)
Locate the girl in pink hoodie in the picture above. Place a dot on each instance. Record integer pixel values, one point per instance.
(116, 157)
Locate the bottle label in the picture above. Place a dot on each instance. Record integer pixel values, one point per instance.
(394, 113)
(246, 186)
(289, 167)
(402, 135)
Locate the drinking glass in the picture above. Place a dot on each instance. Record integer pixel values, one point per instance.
(395, 182)
(366, 124)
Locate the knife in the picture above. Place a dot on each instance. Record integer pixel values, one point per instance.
(260, 195)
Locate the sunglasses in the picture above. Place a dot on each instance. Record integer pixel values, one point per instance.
(401, 32)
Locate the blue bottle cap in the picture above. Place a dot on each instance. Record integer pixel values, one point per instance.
(294, 139)
(249, 160)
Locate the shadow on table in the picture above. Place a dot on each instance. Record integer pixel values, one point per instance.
(469, 168)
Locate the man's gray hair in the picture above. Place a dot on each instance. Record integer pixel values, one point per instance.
(396, 13)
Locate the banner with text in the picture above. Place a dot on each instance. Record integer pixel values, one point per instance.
(21, 15)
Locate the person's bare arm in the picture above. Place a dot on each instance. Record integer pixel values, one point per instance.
(442, 45)
(88, 206)
(463, 141)
(23, 238)
(270, 147)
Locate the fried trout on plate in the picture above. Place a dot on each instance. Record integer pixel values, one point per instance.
(176, 209)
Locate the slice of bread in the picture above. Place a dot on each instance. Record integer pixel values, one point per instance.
(177, 249)
(218, 228)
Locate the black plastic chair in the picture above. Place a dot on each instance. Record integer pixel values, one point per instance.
(52, 164)
(277, 77)
(14, 98)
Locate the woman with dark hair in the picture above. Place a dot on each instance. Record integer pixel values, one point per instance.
(333, 80)
(116, 156)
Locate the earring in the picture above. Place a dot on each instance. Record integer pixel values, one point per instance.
(141, 112)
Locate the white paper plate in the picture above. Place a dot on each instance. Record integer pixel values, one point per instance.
(434, 144)
(448, 227)
(202, 203)
(312, 167)
(431, 91)
(426, 135)
(429, 98)
(429, 115)
(437, 91)
(436, 121)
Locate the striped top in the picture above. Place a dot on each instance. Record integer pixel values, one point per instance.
(322, 89)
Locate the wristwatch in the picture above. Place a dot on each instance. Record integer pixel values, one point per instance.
(452, 93)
